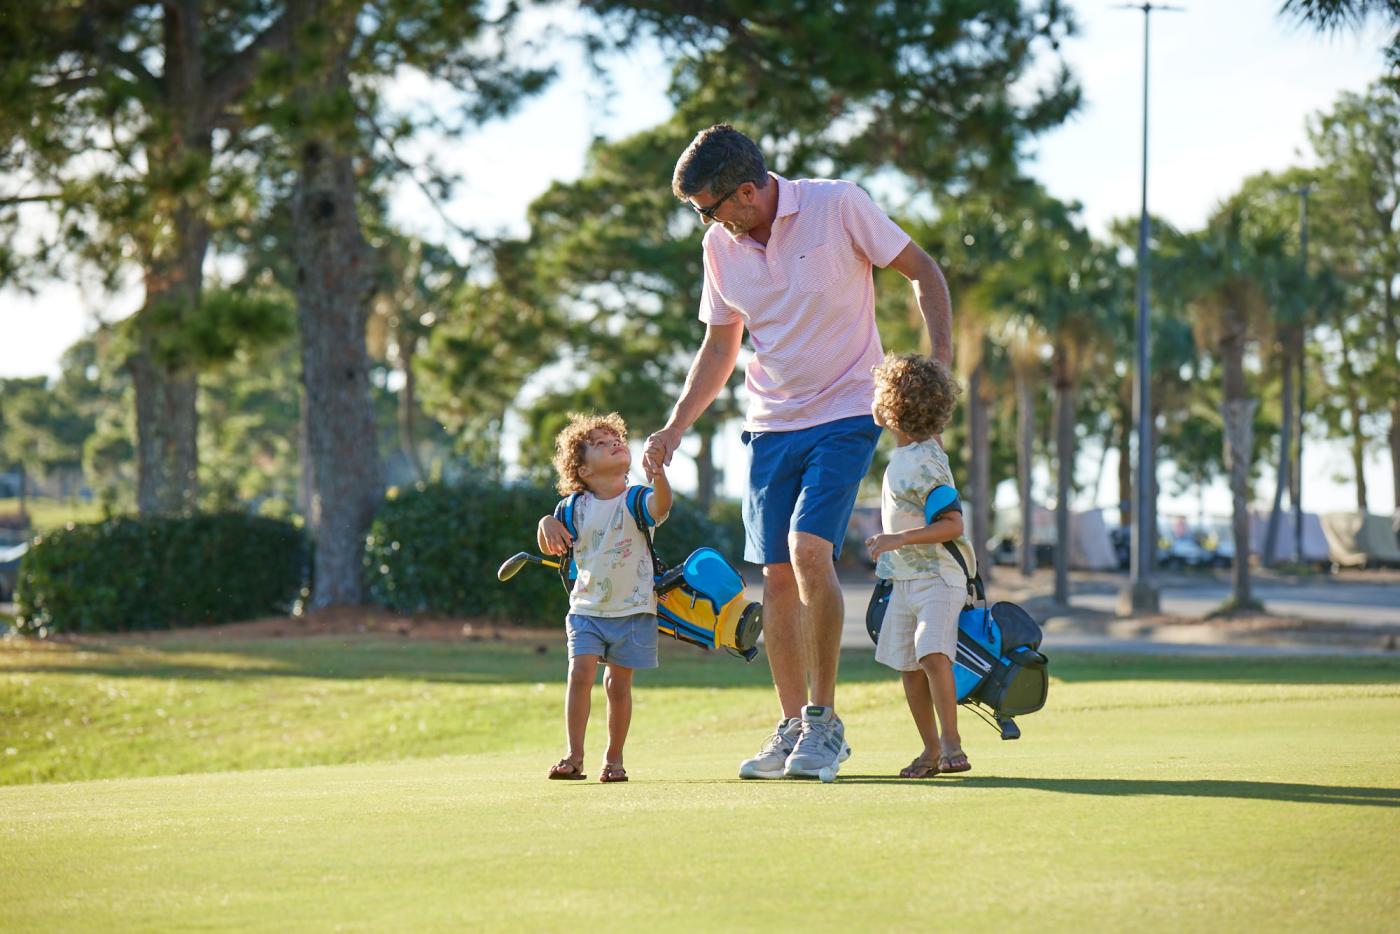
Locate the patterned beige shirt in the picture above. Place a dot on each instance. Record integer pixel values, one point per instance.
(615, 575)
(914, 470)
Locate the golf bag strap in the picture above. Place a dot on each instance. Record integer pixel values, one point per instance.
(945, 499)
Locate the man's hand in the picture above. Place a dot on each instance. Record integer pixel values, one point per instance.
(553, 538)
(883, 542)
(661, 447)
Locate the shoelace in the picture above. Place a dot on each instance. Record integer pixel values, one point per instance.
(775, 741)
(823, 734)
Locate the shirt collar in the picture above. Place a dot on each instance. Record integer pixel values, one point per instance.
(789, 202)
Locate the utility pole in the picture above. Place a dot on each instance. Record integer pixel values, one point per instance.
(1142, 595)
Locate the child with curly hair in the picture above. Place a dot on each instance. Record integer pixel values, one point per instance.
(914, 399)
(612, 606)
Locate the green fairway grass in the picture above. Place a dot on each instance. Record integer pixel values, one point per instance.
(368, 784)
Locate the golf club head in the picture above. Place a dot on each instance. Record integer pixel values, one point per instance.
(512, 565)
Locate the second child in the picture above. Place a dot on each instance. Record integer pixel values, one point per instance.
(914, 399)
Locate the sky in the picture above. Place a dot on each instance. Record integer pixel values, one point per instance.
(1231, 89)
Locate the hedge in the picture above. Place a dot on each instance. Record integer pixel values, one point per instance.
(436, 549)
(156, 573)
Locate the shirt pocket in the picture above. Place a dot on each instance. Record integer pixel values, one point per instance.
(816, 269)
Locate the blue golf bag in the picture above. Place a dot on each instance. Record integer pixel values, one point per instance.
(700, 601)
(998, 665)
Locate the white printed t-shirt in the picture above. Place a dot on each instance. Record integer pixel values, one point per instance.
(808, 301)
(914, 470)
(615, 576)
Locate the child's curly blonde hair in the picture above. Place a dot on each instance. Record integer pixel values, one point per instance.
(916, 395)
(569, 446)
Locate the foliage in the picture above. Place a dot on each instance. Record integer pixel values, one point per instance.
(1334, 15)
(436, 549)
(157, 573)
(249, 411)
(944, 92)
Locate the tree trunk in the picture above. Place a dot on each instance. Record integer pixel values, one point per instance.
(408, 407)
(1238, 413)
(1391, 354)
(24, 494)
(1285, 457)
(979, 459)
(1350, 382)
(167, 425)
(333, 284)
(1394, 436)
(305, 502)
(1025, 451)
(1064, 470)
(705, 474)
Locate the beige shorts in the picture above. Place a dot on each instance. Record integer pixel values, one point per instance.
(921, 619)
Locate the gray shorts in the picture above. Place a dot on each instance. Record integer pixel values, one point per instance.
(629, 641)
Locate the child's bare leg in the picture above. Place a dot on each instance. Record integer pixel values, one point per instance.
(938, 670)
(583, 671)
(617, 681)
(916, 693)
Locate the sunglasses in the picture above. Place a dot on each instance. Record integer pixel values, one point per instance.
(709, 212)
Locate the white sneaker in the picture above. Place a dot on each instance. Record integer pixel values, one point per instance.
(821, 748)
(773, 754)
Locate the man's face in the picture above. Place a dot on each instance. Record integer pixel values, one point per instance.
(604, 454)
(736, 211)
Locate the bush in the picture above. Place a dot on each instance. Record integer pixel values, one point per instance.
(436, 549)
(156, 573)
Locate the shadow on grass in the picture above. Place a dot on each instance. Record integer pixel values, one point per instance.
(1132, 787)
(370, 657)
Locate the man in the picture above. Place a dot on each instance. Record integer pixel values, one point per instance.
(791, 261)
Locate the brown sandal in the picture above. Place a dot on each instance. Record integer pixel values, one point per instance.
(613, 772)
(920, 768)
(567, 770)
(955, 761)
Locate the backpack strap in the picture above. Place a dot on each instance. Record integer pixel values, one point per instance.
(564, 512)
(940, 501)
(637, 506)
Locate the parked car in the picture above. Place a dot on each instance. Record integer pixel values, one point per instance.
(1183, 552)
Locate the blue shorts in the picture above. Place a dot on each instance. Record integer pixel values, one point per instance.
(804, 481)
(629, 641)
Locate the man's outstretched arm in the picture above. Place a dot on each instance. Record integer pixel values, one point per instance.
(708, 373)
(931, 292)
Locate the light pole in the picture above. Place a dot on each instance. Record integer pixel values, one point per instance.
(1142, 595)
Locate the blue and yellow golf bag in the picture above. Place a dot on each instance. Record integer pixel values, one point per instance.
(700, 601)
(998, 664)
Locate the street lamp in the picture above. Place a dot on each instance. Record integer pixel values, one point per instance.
(1142, 595)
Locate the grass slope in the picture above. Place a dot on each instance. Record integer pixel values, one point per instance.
(1151, 793)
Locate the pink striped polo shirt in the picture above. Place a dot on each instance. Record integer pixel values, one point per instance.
(808, 301)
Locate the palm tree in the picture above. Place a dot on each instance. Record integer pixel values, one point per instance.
(1333, 15)
(1234, 259)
